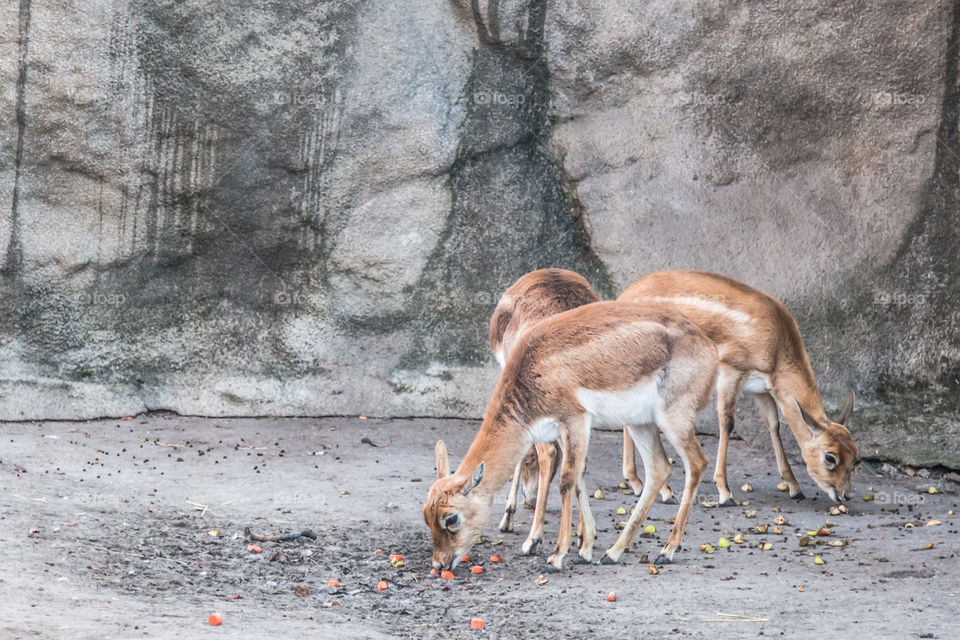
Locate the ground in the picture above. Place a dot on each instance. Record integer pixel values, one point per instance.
(135, 528)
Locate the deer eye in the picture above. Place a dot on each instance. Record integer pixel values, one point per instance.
(451, 522)
(831, 459)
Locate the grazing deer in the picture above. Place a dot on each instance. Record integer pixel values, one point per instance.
(606, 363)
(535, 296)
(762, 353)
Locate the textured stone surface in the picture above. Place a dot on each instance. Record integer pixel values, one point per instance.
(302, 208)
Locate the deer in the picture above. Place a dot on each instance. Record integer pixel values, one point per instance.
(533, 297)
(761, 353)
(642, 367)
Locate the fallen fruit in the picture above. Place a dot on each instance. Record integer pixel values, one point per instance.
(541, 580)
(379, 552)
(621, 511)
(476, 623)
(932, 523)
(750, 513)
(398, 563)
(777, 531)
(817, 560)
(823, 531)
(761, 528)
(766, 546)
(382, 585)
(301, 590)
(746, 487)
(252, 548)
(447, 575)
(707, 548)
(434, 572)
(598, 494)
(496, 559)
(801, 588)
(950, 513)
(396, 556)
(843, 508)
(611, 597)
(215, 619)
(214, 532)
(723, 543)
(739, 538)
(836, 543)
(804, 541)
(622, 485)
(782, 486)
(649, 529)
(932, 490)
(476, 569)
(464, 558)
(869, 497)
(834, 511)
(652, 569)
(333, 582)
(780, 520)
(927, 546)
(909, 525)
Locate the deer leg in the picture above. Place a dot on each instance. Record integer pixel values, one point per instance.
(546, 457)
(729, 382)
(680, 430)
(506, 523)
(768, 411)
(656, 469)
(574, 441)
(630, 471)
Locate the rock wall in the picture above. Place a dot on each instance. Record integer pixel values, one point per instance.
(311, 207)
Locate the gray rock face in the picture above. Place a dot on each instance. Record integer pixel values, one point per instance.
(246, 208)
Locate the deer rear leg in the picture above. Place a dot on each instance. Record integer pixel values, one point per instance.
(729, 382)
(682, 435)
(768, 411)
(630, 471)
(656, 469)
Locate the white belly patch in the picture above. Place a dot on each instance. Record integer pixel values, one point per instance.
(545, 430)
(640, 405)
(757, 383)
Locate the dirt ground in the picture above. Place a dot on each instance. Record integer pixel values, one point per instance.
(134, 528)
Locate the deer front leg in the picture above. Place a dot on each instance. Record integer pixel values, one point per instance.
(574, 444)
(546, 458)
(768, 411)
(656, 469)
(506, 523)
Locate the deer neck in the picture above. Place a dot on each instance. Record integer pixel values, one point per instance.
(500, 445)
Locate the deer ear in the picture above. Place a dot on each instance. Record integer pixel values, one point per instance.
(847, 410)
(814, 426)
(440, 457)
(475, 480)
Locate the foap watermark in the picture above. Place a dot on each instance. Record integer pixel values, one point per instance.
(896, 99)
(499, 98)
(898, 498)
(698, 99)
(898, 299)
(99, 298)
(297, 98)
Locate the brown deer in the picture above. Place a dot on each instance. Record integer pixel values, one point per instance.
(762, 353)
(607, 363)
(535, 296)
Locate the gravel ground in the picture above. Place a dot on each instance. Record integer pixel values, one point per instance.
(135, 528)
